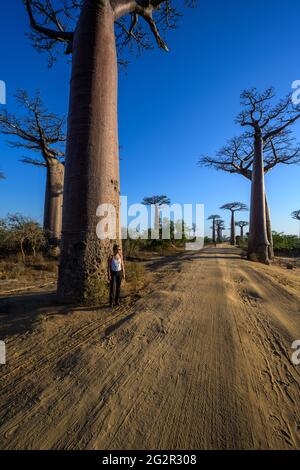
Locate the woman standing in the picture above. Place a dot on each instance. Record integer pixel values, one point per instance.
(115, 272)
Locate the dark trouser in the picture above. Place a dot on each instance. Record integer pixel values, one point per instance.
(115, 284)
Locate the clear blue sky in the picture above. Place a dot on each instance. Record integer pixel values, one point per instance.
(172, 107)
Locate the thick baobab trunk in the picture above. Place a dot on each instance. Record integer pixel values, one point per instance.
(232, 229)
(54, 201)
(242, 232)
(92, 161)
(269, 230)
(258, 239)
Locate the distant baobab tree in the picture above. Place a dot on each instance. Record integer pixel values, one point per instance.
(43, 133)
(156, 201)
(296, 215)
(255, 153)
(266, 122)
(213, 217)
(220, 226)
(237, 158)
(94, 31)
(242, 224)
(233, 207)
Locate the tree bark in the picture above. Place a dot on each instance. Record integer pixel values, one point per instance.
(269, 230)
(214, 231)
(54, 202)
(258, 240)
(92, 160)
(232, 229)
(242, 232)
(156, 222)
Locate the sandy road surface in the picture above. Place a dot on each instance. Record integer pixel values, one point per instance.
(201, 361)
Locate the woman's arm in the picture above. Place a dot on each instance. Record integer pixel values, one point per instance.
(108, 268)
(123, 268)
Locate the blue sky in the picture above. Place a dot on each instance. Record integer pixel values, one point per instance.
(172, 107)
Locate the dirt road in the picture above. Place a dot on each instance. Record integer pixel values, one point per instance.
(202, 361)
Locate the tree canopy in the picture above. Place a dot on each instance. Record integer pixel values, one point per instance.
(53, 23)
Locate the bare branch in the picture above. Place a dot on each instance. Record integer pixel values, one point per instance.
(237, 155)
(56, 25)
(37, 130)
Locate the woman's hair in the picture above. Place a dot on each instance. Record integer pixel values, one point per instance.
(116, 247)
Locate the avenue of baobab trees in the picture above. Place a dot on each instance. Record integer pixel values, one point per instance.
(93, 31)
(96, 33)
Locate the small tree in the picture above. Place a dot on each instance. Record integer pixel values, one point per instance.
(233, 207)
(41, 132)
(25, 232)
(296, 215)
(213, 217)
(242, 224)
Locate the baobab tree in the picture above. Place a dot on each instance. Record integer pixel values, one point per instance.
(236, 157)
(242, 224)
(157, 202)
(93, 31)
(265, 121)
(233, 207)
(255, 153)
(43, 133)
(296, 215)
(213, 217)
(220, 226)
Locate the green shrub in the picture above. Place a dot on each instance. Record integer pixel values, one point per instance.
(286, 244)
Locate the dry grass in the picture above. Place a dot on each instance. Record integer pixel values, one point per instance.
(15, 274)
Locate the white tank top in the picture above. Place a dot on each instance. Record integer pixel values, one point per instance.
(116, 264)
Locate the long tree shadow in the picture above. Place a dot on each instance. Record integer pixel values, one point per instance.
(219, 257)
(18, 313)
(172, 261)
(212, 253)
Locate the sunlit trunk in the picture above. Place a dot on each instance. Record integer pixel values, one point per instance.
(258, 239)
(232, 229)
(269, 230)
(214, 231)
(156, 221)
(92, 161)
(54, 202)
